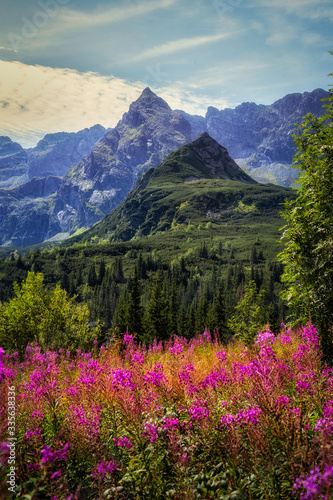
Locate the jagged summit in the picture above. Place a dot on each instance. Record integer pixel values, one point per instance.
(203, 158)
(146, 105)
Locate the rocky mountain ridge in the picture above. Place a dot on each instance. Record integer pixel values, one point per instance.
(259, 136)
(52, 156)
(194, 185)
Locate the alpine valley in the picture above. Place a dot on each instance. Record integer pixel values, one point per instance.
(69, 182)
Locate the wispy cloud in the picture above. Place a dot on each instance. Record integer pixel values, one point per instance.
(79, 19)
(178, 46)
(7, 48)
(36, 100)
(307, 9)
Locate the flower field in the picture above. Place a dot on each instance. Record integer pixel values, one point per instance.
(183, 419)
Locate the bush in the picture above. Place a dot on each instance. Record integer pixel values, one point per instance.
(34, 315)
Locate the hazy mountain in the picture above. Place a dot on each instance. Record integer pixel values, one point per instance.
(259, 137)
(56, 153)
(107, 165)
(13, 163)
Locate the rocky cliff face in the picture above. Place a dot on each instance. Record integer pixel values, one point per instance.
(260, 137)
(13, 163)
(56, 153)
(144, 137)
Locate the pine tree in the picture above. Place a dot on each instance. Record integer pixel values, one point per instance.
(134, 309)
(156, 314)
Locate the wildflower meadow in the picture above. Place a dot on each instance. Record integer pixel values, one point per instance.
(180, 419)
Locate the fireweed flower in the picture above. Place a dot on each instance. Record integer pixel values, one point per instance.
(4, 452)
(317, 485)
(150, 433)
(207, 336)
(122, 442)
(310, 336)
(221, 356)
(216, 379)
(177, 351)
(55, 475)
(128, 339)
(185, 374)
(49, 457)
(243, 417)
(37, 433)
(325, 425)
(104, 468)
(122, 379)
(87, 421)
(265, 338)
(198, 412)
(303, 384)
(155, 377)
(170, 423)
(286, 339)
(137, 358)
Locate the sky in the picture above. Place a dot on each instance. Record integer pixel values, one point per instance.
(69, 64)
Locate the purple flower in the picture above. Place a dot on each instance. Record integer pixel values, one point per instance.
(155, 377)
(122, 379)
(50, 457)
(103, 468)
(123, 442)
(216, 379)
(221, 356)
(315, 486)
(198, 412)
(128, 339)
(185, 374)
(151, 433)
(265, 338)
(56, 475)
(177, 351)
(170, 423)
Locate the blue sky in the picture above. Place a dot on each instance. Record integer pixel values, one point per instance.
(68, 64)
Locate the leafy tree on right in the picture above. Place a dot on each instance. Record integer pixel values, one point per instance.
(308, 251)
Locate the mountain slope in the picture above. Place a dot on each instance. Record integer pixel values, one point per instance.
(13, 163)
(260, 137)
(196, 184)
(56, 153)
(147, 133)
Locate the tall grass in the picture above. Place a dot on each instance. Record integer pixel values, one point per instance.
(180, 420)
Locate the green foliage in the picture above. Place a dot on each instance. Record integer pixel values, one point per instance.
(250, 314)
(308, 251)
(34, 315)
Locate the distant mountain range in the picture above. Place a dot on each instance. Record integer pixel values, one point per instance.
(71, 181)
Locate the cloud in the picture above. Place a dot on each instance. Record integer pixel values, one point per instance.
(307, 9)
(7, 48)
(36, 100)
(178, 46)
(79, 19)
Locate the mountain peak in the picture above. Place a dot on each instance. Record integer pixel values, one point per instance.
(148, 92)
(149, 99)
(203, 158)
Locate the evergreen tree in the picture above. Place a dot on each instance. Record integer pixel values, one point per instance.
(134, 309)
(308, 251)
(156, 321)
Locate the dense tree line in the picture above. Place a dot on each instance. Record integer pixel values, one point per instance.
(152, 298)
